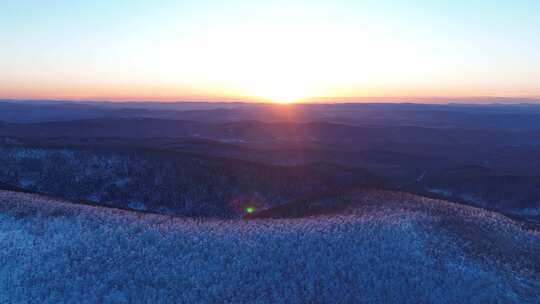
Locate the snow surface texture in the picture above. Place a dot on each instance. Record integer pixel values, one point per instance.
(389, 248)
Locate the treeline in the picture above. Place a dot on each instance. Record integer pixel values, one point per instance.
(168, 182)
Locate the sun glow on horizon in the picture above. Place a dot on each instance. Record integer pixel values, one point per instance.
(283, 99)
(267, 51)
(284, 94)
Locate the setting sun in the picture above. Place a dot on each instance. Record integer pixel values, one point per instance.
(284, 95)
(283, 99)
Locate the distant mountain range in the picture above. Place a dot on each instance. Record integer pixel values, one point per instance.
(522, 117)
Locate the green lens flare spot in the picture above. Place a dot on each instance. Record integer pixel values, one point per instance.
(250, 210)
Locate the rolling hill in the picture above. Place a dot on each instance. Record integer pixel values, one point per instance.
(382, 247)
(169, 182)
(483, 187)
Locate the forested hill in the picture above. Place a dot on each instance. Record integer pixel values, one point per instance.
(386, 248)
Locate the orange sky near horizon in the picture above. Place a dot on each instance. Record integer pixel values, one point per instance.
(172, 94)
(269, 51)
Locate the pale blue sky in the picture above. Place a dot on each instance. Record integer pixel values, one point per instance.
(268, 49)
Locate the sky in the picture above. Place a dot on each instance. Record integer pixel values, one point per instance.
(280, 51)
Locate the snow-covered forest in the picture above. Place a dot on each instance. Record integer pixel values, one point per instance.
(164, 182)
(387, 248)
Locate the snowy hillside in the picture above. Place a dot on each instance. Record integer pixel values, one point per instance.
(385, 248)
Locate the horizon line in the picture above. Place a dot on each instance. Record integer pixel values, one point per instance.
(313, 100)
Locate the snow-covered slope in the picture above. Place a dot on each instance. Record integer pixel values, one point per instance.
(386, 248)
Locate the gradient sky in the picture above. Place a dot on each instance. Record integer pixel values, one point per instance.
(268, 50)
